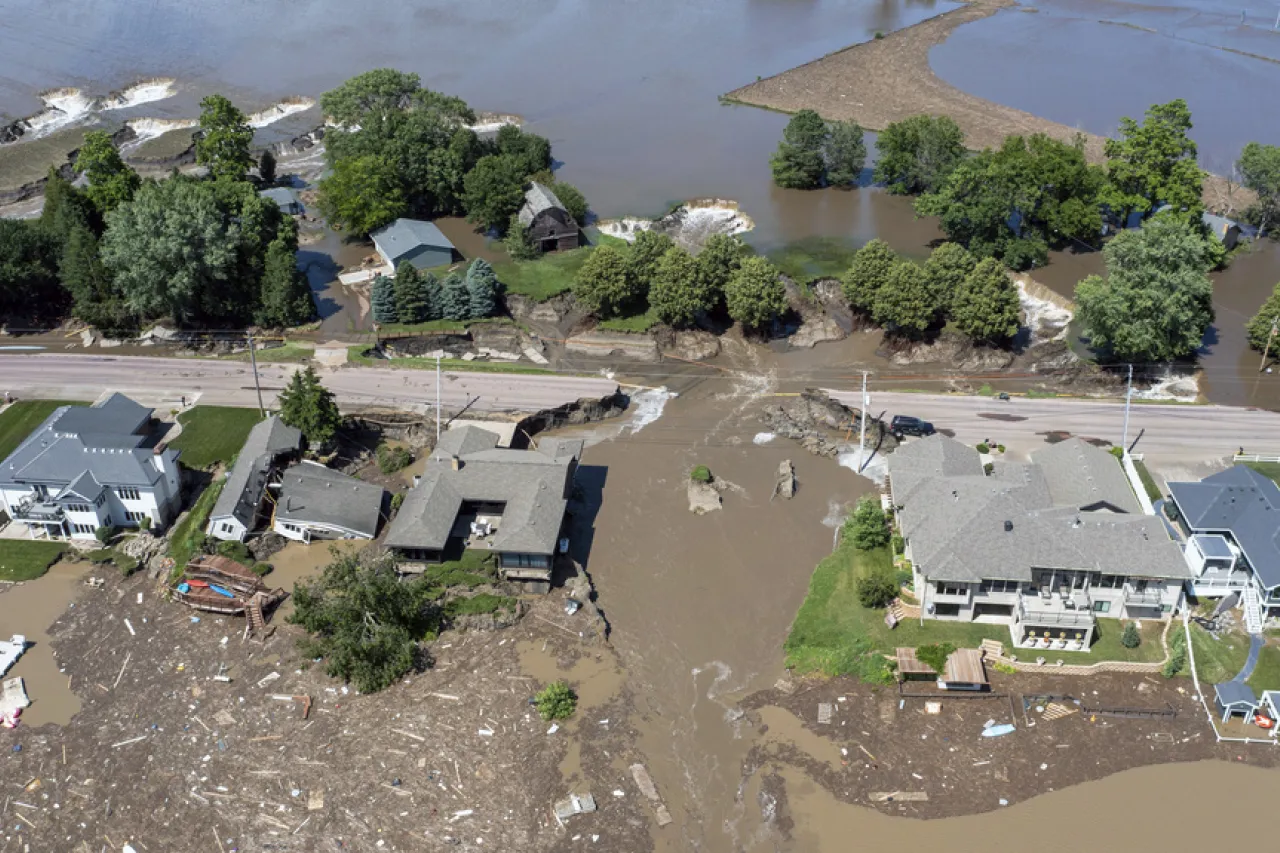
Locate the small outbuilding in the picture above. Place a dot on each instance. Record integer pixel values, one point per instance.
(964, 671)
(911, 668)
(1224, 229)
(547, 221)
(319, 503)
(420, 243)
(1234, 698)
(286, 199)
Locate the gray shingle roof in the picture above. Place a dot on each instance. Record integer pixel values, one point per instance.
(1081, 475)
(538, 199)
(248, 476)
(1231, 693)
(405, 235)
(956, 523)
(85, 486)
(285, 197)
(1244, 502)
(314, 494)
(532, 483)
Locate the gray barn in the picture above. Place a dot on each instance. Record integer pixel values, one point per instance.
(549, 225)
(420, 243)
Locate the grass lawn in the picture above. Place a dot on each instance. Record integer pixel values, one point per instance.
(548, 276)
(1148, 482)
(212, 434)
(1267, 674)
(1218, 660)
(835, 635)
(1267, 469)
(17, 421)
(639, 323)
(22, 560)
(357, 355)
(187, 537)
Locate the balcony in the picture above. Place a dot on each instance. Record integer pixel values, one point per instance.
(1056, 618)
(32, 511)
(1150, 597)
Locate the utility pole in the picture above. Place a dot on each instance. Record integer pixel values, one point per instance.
(253, 359)
(862, 422)
(1128, 398)
(1275, 327)
(437, 401)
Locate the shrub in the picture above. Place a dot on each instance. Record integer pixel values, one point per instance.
(935, 655)
(262, 569)
(396, 501)
(898, 543)
(1000, 448)
(700, 474)
(100, 556)
(556, 701)
(983, 447)
(867, 525)
(1177, 655)
(904, 578)
(1006, 668)
(237, 551)
(144, 523)
(126, 564)
(876, 588)
(1130, 638)
(103, 534)
(987, 468)
(392, 459)
(1117, 452)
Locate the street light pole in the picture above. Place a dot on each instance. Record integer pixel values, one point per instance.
(1128, 399)
(253, 359)
(862, 423)
(437, 401)
(1275, 327)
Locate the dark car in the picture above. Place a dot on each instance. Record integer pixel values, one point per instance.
(907, 425)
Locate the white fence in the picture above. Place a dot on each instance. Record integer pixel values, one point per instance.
(1254, 457)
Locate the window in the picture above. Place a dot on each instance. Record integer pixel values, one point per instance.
(79, 508)
(135, 517)
(524, 561)
(950, 589)
(1166, 608)
(225, 527)
(102, 498)
(82, 528)
(292, 528)
(128, 494)
(999, 586)
(1102, 607)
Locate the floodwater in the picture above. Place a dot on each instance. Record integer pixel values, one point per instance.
(300, 561)
(30, 609)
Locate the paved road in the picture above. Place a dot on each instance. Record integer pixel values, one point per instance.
(1162, 432)
(163, 382)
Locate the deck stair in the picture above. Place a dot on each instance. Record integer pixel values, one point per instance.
(1252, 610)
(991, 648)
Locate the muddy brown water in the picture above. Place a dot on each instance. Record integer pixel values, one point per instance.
(30, 609)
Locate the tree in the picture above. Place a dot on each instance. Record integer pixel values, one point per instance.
(868, 274)
(111, 182)
(432, 296)
(1154, 163)
(267, 167)
(876, 587)
(1259, 327)
(531, 153)
(65, 209)
(1155, 303)
(382, 301)
(678, 293)
(906, 304)
(556, 701)
(867, 526)
(573, 200)
(643, 257)
(455, 301)
(1130, 638)
(918, 153)
(410, 301)
(518, 243)
(28, 266)
(286, 295)
(603, 284)
(309, 406)
(364, 620)
(224, 139)
(946, 269)
(482, 289)
(362, 195)
(798, 163)
(755, 294)
(1259, 167)
(719, 259)
(494, 191)
(375, 97)
(844, 152)
(986, 306)
(96, 299)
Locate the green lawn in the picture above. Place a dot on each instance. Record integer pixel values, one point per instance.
(357, 355)
(187, 537)
(24, 560)
(1218, 660)
(638, 323)
(1148, 482)
(17, 421)
(1266, 469)
(212, 434)
(1267, 674)
(471, 568)
(548, 276)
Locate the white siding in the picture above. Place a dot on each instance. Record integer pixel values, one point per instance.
(226, 527)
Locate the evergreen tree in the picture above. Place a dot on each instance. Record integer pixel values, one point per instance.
(382, 299)
(286, 295)
(947, 268)
(482, 289)
(267, 167)
(455, 301)
(678, 293)
(411, 307)
(429, 287)
(518, 243)
(845, 153)
(798, 162)
(906, 304)
(868, 274)
(308, 406)
(755, 294)
(1130, 638)
(986, 307)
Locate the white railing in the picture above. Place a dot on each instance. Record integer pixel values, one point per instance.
(1252, 610)
(1254, 457)
(1135, 482)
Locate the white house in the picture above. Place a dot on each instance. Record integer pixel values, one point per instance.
(235, 514)
(316, 502)
(91, 467)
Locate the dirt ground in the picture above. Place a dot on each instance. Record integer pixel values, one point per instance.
(889, 79)
(166, 757)
(883, 750)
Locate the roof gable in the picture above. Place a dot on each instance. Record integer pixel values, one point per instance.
(1243, 502)
(538, 199)
(405, 235)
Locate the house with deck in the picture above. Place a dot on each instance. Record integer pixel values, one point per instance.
(316, 502)
(474, 494)
(1232, 523)
(549, 224)
(1046, 547)
(87, 467)
(239, 508)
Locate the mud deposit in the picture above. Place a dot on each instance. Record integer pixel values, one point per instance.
(30, 609)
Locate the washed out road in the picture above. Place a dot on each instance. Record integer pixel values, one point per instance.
(164, 381)
(1162, 432)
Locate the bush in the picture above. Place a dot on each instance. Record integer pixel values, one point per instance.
(983, 447)
(396, 501)
(103, 534)
(1005, 668)
(1130, 638)
(1000, 447)
(100, 556)
(700, 474)
(935, 656)
(987, 468)
(392, 459)
(237, 551)
(904, 578)
(1117, 452)
(898, 543)
(876, 588)
(1177, 655)
(262, 569)
(556, 701)
(144, 523)
(867, 525)
(126, 564)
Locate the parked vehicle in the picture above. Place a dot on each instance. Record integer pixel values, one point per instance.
(906, 425)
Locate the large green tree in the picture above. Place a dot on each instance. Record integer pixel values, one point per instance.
(494, 191)
(362, 195)
(918, 153)
(719, 259)
(97, 299)
(482, 288)
(111, 182)
(382, 301)
(868, 274)
(455, 301)
(573, 200)
(410, 299)
(530, 152)
(906, 305)
(308, 406)
(1154, 163)
(844, 153)
(1260, 325)
(798, 163)
(1155, 302)
(946, 269)
(678, 293)
(986, 305)
(224, 140)
(28, 267)
(285, 294)
(604, 285)
(1259, 167)
(755, 294)
(643, 257)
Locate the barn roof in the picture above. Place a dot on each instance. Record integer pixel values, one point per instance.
(538, 199)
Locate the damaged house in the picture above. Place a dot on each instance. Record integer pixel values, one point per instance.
(269, 445)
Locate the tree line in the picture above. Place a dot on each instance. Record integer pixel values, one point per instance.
(417, 296)
(122, 251)
(399, 149)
